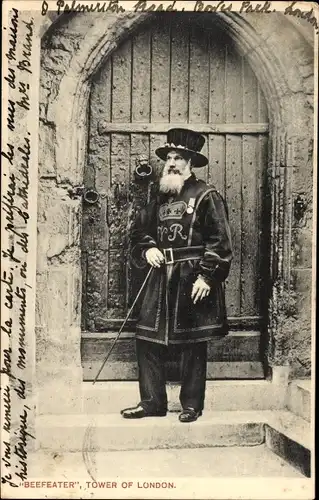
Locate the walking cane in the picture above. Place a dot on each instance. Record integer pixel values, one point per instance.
(123, 324)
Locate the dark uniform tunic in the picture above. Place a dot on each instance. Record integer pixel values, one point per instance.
(192, 230)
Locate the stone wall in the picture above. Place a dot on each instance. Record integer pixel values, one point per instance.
(72, 50)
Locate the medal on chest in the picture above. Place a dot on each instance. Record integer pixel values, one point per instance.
(190, 206)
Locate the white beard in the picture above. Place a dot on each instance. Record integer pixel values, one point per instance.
(171, 183)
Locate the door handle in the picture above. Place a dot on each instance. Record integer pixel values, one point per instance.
(91, 196)
(143, 170)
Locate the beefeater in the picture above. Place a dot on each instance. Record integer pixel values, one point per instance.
(184, 234)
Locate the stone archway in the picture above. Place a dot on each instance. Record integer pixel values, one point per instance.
(72, 52)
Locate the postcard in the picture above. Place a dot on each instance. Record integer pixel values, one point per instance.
(158, 249)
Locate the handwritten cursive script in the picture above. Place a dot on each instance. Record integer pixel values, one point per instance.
(307, 15)
(112, 6)
(16, 156)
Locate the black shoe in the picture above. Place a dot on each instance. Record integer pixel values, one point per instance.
(189, 415)
(140, 412)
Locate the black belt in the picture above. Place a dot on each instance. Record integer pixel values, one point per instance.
(181, 254)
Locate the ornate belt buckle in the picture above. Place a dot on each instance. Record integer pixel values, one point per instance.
(169, 259)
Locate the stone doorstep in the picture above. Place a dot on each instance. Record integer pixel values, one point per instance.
(291, 451)
(168, 464)
(242, 395)
(284, 433)
(299, 398)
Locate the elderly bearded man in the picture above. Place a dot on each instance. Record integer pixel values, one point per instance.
(184, 235)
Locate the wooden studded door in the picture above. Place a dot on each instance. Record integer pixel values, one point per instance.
(177, 70)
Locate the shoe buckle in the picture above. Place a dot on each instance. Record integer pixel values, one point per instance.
(168, 256)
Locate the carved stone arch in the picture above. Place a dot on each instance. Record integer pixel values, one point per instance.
(72, 53)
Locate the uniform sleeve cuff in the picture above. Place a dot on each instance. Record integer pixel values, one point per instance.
(208, 281)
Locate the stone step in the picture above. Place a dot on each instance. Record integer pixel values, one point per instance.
(242, 395)
(283, 432)
(291, 438)
(299, 398)
(112, 432)
(160, 465)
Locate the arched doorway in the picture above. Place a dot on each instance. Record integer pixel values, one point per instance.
(181, 70)
(73, 49)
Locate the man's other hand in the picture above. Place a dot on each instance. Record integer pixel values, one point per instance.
(154, 257)
(200, 289)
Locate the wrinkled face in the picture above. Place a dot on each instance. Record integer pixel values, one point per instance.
(176, 163)
(177, 168)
